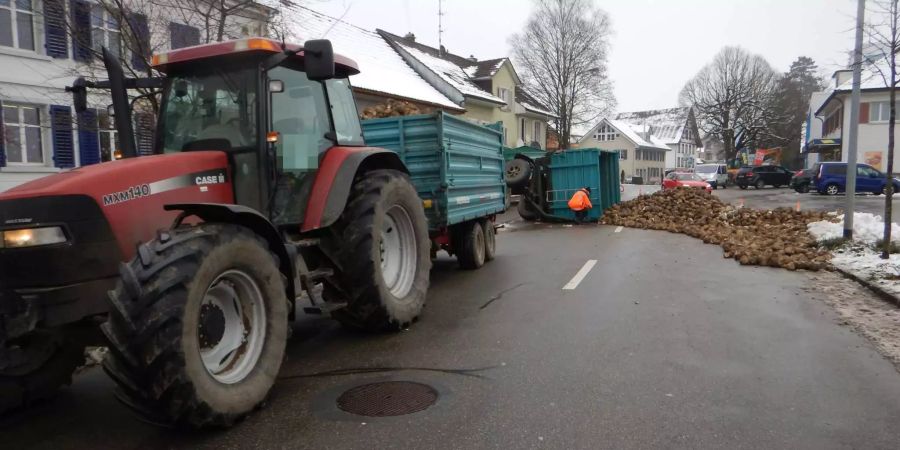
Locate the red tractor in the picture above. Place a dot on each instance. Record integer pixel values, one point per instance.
(260, 190)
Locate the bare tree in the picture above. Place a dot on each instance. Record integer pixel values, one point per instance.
(734, 99)
(562, 56)
(883, 32)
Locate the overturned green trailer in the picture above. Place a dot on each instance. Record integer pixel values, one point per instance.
(555, 178)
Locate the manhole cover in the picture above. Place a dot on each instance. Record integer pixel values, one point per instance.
(389, 398)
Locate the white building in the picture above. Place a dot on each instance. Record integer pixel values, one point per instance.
(832, 118)
(45, 44)
(676, 127)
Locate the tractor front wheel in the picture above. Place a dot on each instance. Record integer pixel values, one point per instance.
(197, 326)
(384, 253)
(45, 361)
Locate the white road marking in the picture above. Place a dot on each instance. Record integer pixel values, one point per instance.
(619, 229)
(576, 280)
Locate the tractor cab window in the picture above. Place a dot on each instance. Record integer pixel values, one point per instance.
(299, 115)
(210, 110)
(343, 109)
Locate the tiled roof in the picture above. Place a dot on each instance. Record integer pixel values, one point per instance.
(524, 98)
(382, 70)
(452, 74)
(666, 124)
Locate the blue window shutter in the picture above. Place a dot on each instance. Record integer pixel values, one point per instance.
(141, 52)
(61, 128)
(2, 139)
(88, 138)
(183, 35)
(55, 36)
(81, 30)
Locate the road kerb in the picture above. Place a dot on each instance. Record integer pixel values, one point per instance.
(878, 290)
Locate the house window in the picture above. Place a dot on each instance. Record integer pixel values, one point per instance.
(109, 139)
(606, 133)
(522, 131)
(537, 132)
(623, 154)
(181, 36)
(503, 93)
(879, 112)
(22, 134)
(17, 24)
(833, 122)
(104, 30)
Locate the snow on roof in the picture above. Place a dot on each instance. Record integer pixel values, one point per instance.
(381, 68)
(524, 98)
(667, 124)
(638, 134)
(870, 77)
(451, 73)
(485, 69)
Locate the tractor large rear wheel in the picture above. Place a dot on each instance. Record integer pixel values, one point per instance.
(384, 253)
(197, 326)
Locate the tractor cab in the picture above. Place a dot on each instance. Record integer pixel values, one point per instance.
(273, 109)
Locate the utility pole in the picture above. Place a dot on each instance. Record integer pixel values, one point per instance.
(854, 122)
(441, 26)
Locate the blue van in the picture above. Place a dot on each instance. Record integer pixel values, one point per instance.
(831, 178)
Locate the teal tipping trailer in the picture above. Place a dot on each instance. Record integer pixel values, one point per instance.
(457, 169)
(555, 179)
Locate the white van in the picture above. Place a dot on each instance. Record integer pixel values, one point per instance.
(714, 174)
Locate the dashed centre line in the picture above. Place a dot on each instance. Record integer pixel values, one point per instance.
(576, 280)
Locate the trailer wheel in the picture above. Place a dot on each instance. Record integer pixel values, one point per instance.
(490, 239)
(470, 244)
(49, 362)
(197, 326)
(525, 210)
(518, 172)
(384, 253)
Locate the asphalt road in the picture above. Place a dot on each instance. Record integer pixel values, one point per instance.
(770, 197)
(663, 344)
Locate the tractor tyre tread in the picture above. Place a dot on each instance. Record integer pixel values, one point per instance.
(23, 390)
(370, 305)
(144, 329)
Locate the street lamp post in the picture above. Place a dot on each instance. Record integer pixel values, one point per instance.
(854, 122)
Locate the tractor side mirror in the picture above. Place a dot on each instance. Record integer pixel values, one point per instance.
(276, 86)
(318, 59)
(79, 94)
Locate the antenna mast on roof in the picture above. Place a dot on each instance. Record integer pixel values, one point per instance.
(441, 26)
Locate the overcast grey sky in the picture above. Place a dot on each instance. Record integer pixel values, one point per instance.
(657, 45)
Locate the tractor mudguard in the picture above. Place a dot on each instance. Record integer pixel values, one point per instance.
(246, 217)
(335, 177)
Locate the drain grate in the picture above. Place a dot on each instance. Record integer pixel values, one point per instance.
(389, 398)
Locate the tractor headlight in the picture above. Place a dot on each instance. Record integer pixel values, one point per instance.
(32, 237)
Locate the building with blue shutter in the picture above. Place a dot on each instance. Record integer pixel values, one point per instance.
(45, 44)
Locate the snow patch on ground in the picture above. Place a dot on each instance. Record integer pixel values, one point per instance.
(860, 257)
(867, 228)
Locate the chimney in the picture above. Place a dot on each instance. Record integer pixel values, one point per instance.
(473, 58)
(443, 50)
(410, 37)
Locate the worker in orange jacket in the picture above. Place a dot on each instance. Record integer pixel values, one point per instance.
(581, 204)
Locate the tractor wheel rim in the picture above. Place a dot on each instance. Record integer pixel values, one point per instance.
(232, 326)
(832, 189)
(398, 251)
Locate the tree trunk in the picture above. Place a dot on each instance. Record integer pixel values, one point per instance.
(888, 175)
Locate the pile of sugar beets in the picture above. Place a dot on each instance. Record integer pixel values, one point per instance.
(776, 238)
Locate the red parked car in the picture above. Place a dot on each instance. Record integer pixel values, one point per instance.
(685, 180)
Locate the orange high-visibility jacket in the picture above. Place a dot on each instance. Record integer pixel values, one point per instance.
(580, 201)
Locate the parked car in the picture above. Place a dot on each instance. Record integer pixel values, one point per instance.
(831, 179)
(762, 176)
(802, 180)
(676, 180)
(714, 174)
